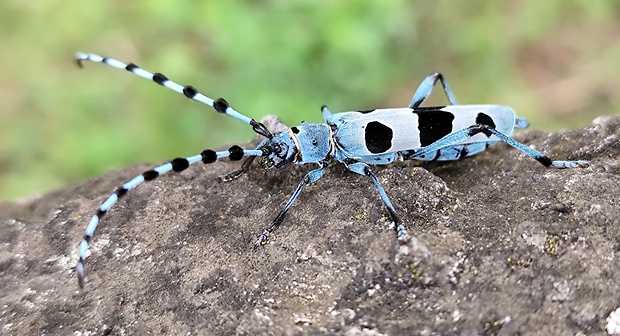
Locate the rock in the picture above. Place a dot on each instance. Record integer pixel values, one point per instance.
(513, 248)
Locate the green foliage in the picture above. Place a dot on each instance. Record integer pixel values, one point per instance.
(555, 62)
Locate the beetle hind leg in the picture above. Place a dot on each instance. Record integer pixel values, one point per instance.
(453, 139)
(427, 86)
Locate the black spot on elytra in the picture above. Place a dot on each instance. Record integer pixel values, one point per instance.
(378, 137)
(433, 124)
(366, 111)
(484, 119)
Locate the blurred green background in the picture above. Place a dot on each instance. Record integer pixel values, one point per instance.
(556, 62)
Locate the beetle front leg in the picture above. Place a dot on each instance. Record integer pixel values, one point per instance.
(311, 177)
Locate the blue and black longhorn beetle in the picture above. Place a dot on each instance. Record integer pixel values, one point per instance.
(357, 139)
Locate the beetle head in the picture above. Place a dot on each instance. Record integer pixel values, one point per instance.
(281, 150)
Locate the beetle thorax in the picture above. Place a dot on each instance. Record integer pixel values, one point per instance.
(313, 141)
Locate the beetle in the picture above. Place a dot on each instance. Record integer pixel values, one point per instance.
(357, 139)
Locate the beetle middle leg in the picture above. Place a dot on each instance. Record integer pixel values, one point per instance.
(364, 169)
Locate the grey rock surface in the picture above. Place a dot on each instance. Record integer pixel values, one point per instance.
(514, 248)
